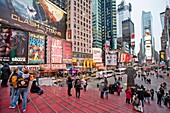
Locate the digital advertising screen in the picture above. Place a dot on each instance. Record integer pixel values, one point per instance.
(13, 46)
(41, 16)
(36, 48)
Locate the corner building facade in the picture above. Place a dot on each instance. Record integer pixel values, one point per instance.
(79, 29)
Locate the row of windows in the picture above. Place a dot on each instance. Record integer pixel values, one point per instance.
(82, 50)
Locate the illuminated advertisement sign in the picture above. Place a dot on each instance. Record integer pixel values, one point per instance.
(40, 16)
(56, 51)
(36, 48)
(148, 51)
(162, 55)
(97, 54)
(13, 46)
(111, 60)
(67, 52)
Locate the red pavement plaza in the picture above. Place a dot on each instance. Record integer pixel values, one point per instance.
(56, 100)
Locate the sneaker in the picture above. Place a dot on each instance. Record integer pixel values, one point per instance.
(24, 110)
(12, 107)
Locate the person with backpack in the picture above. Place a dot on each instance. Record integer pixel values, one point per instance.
(77, 86)
(22, 84)
(13, 84)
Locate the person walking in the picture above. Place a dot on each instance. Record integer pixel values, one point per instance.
(70, 85)
(77, 86)
(147, 96)
(5, 75)
(159, 98)
(140, 95)
(101, 89)
(128, 95)
(13, 84)
(22, 84)
(152, 94)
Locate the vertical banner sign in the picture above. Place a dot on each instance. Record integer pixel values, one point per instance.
(67, 52)
(56, 51)
(36, 48)
(48, 49)
(13, 46)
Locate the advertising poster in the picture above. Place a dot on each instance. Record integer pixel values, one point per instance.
(97, 54)
(36, 48)
(111, 60)
(67, 52)
(13, 46)
(48, 49)
(56, 51)
(40, 16)
(162, 55)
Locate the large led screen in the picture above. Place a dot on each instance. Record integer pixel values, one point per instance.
(13, 46)
(40, 16)
(36, 48)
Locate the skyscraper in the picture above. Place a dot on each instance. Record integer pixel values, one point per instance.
(124, 13)
(109, 27)
(79, 28)
(147, 26)
(96, 23)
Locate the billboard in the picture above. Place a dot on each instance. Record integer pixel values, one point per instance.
(111, 60)
(13, 46)
(67, 52)
(97, 54)
(54, 50)
(36, 48)
(148, 51)
(162, 56)
(40, 16)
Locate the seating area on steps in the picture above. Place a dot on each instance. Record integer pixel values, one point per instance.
(56, 100)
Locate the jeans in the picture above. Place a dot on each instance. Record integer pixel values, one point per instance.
(12, 94)
(148, 99)
(37, 80)
(25, 93)
(4, 83)
(142, 101)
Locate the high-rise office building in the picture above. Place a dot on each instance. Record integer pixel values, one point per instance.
(124, 13)
(109, 27)
(146, 22)
(147, 27)
(79, 28)
(97, 23)
(127, 31)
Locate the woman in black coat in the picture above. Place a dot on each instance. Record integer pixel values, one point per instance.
(34, 88)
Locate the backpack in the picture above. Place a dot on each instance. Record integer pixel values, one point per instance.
(78, 82)
(23, 82)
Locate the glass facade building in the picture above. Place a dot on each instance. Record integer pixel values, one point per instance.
(60, 3)
(109, 27)
(96, 23)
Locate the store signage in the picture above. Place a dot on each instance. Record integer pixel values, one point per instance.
(54, 66)
(13, 46)
(42, 16)
(36, 48)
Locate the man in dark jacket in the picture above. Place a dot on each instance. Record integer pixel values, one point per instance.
(70, 85)
(140, 95)
(5, 75)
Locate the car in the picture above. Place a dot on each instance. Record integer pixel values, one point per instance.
(102, 74)
(120, 71)
(93, 74)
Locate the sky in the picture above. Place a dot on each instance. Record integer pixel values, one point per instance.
(156, 7)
